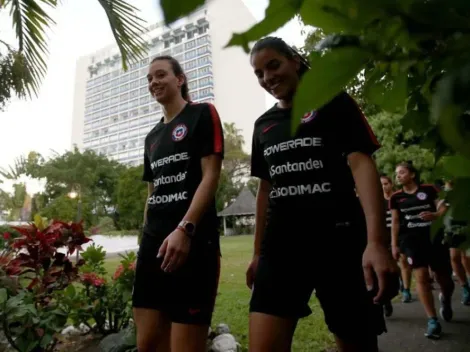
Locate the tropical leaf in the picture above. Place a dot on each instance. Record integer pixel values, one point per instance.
(30, 22)
(127, 29)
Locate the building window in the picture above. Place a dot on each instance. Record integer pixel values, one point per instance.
(202, 40)
(202, 50)
(144, 62)
(143, 81)
(124, 79)
(113, 138)
(124, 97)
(134, 75)
(106, 94)
(134, 84)
(134, 94)
(134, 133)
(193, 95)
(124, 88)
(204, 71)
(133, 103)
(144, 110)
(205, 92)
(190, 54)
(190, 35)
(203, 60)
(114, 119)
(177, 49)
(123, 106)
(114, 74)
(144, 91)
(191, 74)
(189, 65)
(166, 44)
(190, 45)
(144, 100)
(124, 115)
(134, 113)
(192, 85)
(87, 127)
(105, 103)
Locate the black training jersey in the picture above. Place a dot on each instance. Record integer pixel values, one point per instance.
(388, 214)
(308, 171)
(409, 207)
(172, 162)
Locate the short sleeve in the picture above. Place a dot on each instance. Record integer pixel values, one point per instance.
(355, 134)
(210, 133)
(259, 166)
(393, 202)
(148, 174)
(433, 193)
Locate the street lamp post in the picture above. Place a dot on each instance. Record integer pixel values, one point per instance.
(76, 193)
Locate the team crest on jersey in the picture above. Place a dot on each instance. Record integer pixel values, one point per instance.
(179, 132)
(421, 196)
(309, 116)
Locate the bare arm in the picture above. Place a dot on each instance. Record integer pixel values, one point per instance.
(395, 227)
(150, 189)
(211, 166)
(370, 194)
(441, 207)
(262, 198)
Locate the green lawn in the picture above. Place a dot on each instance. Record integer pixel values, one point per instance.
(233, 298)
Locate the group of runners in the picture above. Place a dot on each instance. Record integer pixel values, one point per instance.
(431, 255)
(320, 219)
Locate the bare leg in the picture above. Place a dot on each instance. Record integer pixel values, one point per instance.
(153, 330)
(457, 265)
(269, 333)
(189, 338)
(423, 287)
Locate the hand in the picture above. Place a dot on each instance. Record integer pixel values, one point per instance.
(396, 252)
(379, 272)
(175, 250)
(428, 216)
(251, 271)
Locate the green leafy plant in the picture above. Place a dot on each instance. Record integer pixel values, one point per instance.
(101, 302)
(32, 271)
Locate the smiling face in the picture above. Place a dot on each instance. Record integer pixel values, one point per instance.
(276, 73)
(163, 84)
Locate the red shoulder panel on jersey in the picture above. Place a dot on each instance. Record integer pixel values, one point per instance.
(432, 186)
(364, 120)
(218, 136)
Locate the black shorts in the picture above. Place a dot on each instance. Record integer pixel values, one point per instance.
(421, 252)
(187, 295)
(286, 278)
(455, 241)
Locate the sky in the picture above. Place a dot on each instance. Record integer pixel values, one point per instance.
(43, 123)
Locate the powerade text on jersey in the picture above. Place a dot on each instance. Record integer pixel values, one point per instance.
(172, 162)
(409, 207)
(309, 172)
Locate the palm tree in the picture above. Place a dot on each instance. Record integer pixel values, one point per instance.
(30, 20)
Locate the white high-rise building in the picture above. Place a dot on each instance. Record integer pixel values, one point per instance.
(113, 110)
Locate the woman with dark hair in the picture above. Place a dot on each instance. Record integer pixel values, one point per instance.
(311, 233)
(414, 208)
(177, 268)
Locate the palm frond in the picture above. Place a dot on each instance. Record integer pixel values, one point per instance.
(30, 22)
(127, 29)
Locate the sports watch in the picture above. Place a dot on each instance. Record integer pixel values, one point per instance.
(187, 227)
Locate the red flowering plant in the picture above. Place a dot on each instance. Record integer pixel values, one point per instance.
(105, 298)
(30, 314)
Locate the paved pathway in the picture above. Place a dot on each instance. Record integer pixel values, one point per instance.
(407, 326)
